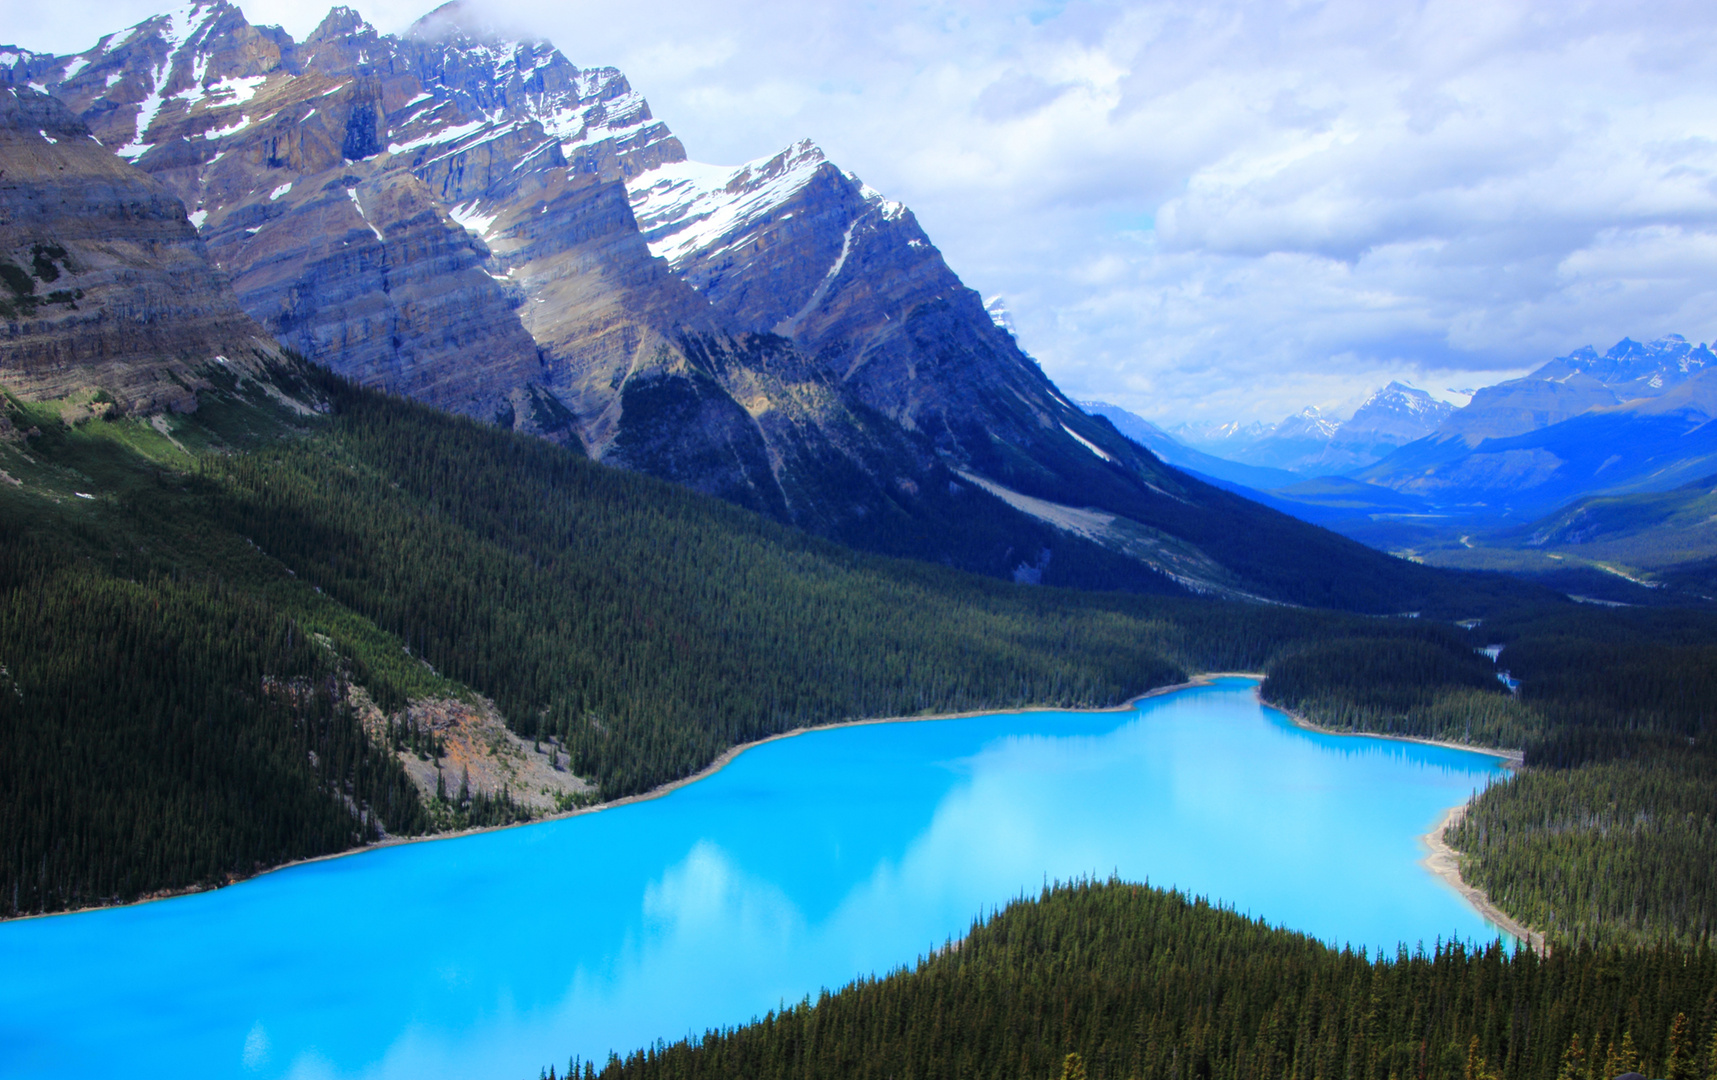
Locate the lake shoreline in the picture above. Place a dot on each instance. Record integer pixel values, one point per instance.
(1445, 862)
(1451, 875)
(1442, 859)
(1514, 759)
(726, 758)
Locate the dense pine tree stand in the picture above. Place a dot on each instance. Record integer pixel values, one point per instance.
(1121, 982)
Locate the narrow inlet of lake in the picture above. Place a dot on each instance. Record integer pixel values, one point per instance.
(803, 864)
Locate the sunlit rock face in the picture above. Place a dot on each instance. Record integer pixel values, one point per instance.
(107, 287)
(343, 249)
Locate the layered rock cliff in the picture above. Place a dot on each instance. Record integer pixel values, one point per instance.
(107, 289)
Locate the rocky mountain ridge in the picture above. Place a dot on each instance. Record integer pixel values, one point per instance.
(1579, 382)
(1634, 418)
(472, 220)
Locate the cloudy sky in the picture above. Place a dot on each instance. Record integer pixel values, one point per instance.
(1209, 210)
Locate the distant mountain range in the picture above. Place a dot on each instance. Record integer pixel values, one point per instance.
(1584, 438)
(1313, 450)
(1220, 470)
(468, 219)
(1636, 418)
(1312, 444)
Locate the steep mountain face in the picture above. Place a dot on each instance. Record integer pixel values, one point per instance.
(108, 297)
(475, 222)
(792, 246)
(344, 253)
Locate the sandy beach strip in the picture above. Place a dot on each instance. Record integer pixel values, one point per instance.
(1445, 862)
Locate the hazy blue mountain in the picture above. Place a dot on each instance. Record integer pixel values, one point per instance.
(1579, 382)
(1311, 443)
(1181, 456)
(1636, 419)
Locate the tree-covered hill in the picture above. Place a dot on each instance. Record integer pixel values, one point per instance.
(1120, 982)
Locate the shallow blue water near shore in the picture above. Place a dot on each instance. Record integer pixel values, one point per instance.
(804, 863)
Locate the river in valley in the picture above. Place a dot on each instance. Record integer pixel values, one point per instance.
(805, 862)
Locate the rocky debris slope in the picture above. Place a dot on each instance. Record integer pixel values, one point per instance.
(476, 754)
(108, 290)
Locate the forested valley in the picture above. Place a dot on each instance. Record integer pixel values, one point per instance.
(188, 618)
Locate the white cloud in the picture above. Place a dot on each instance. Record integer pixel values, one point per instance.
(1209, 208)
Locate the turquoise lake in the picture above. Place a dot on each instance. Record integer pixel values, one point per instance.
(806, 862)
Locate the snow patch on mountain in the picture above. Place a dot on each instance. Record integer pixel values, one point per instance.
(241, 90)
(449, 135)
(790, 326)
(1087, 443)
(353, 192)
(471, 218)
(686, 207)
(181, 32)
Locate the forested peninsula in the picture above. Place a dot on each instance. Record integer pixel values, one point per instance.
(1115, 980)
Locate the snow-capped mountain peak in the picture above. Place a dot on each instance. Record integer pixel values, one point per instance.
(1308, 423)
(1632, 368)
(1395, 415)
(687, 208)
